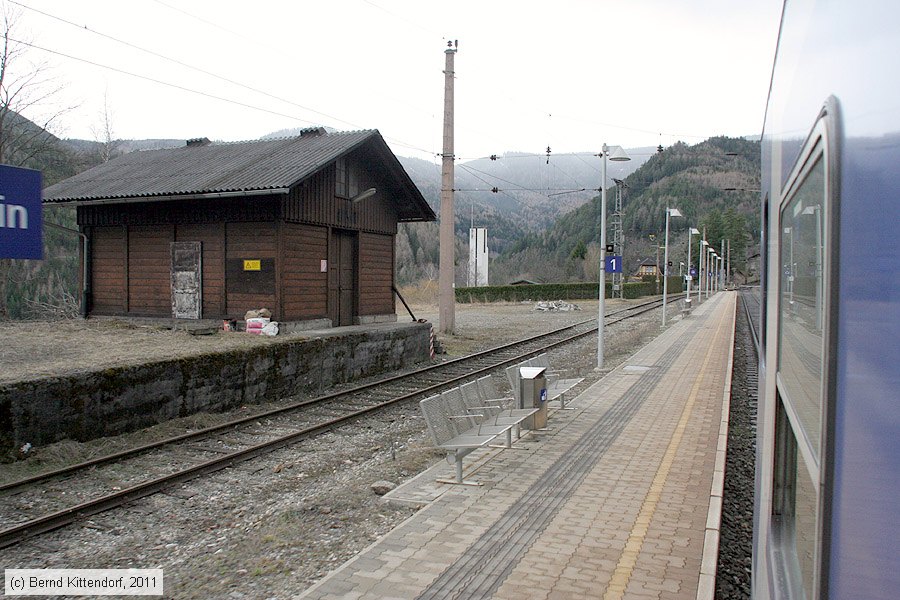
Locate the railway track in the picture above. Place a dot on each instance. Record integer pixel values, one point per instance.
(751, 302)
(51, 500)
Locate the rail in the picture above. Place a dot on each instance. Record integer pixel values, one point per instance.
(354, 403)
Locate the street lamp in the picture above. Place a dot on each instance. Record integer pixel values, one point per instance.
(710, 254)
(816, 210)
(790, 268)
(615, 153)
(691, 233)
(670, 212)
(701, 282)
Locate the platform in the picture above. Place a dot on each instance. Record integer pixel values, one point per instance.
(87, 400)
(620, 499)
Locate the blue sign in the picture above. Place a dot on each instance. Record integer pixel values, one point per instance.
(613, 264)
(20, 213)
(693, 272)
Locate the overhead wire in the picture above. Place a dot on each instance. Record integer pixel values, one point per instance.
(221, 98)
(396, 141)
(181, 63)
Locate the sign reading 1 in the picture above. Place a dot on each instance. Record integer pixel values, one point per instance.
(613, 264)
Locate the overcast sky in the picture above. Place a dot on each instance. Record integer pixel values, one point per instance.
(569, 74)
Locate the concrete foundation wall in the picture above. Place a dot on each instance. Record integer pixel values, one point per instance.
(122, 399)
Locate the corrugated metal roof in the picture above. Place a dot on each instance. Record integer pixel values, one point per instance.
(227, 167)
(233, 168)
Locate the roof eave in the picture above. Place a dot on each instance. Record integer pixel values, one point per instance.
(171, 197)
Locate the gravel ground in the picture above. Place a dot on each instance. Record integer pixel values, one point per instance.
(271, 527)
(735, 548)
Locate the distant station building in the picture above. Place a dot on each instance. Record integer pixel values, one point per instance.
(303, 226)
(648, 267)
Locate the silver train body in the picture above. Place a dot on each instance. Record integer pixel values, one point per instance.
(827, 508)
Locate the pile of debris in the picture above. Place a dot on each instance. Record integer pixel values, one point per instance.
(260, 322)
(556, 306)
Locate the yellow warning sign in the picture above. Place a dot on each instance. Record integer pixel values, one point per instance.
(252, 265)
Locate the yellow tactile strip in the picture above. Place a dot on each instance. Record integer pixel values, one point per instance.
(628, 560)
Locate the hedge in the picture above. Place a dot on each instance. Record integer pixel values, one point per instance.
(557, 291)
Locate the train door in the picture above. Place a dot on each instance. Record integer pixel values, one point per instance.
(794, 418)
(342, 278)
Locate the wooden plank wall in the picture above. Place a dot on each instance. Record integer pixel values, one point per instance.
(376, 272)
(149, 270)
(107, 250)
(304, 291)
(314, 201)
(250, 241)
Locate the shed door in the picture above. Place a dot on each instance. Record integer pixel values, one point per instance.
(186, 280)
(342, 279)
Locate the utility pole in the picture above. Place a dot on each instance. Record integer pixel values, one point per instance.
(446, 294)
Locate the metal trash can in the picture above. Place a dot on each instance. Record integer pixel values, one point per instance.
(533, 394)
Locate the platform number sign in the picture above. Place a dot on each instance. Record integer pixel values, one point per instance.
(20, 213)
(613, 264)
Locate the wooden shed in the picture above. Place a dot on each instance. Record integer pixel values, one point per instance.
(303, 226)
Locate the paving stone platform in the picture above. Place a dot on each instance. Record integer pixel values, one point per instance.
(621, 498)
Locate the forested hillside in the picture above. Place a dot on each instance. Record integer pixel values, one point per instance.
(541, 212)
(714, 184)
(512, 195)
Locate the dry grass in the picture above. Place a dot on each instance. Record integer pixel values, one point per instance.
(34, 349)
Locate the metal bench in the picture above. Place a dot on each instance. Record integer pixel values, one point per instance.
(482, 394)
(457, 431)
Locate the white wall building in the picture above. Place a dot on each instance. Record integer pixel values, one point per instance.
(478, 257)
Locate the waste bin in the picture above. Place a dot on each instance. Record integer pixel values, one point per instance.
(533, 394)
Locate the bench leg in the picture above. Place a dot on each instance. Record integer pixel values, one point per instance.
(562, 402)
(508, 445)
(458, 455)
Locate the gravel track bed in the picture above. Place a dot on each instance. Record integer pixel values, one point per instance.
(735, 546)
(271, 527)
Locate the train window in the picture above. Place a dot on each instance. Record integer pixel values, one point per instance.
(801, 302)
(799, 270)
(795, 507)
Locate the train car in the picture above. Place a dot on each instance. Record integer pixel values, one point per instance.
(827, 508)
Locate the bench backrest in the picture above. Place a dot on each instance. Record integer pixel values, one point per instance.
(437, 418)
(474, 400)
(512, 374)
(453, 400)
(487, 388)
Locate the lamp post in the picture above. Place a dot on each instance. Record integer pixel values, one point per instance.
(670, 212)
(691, 233)
(615, 153)
(714, 283)
(718, 273)
(790, 268)
(710, 253)
(701, 283)
(816, 210)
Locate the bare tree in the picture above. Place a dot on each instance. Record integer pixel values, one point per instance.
(27, 113)
(103, 133)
